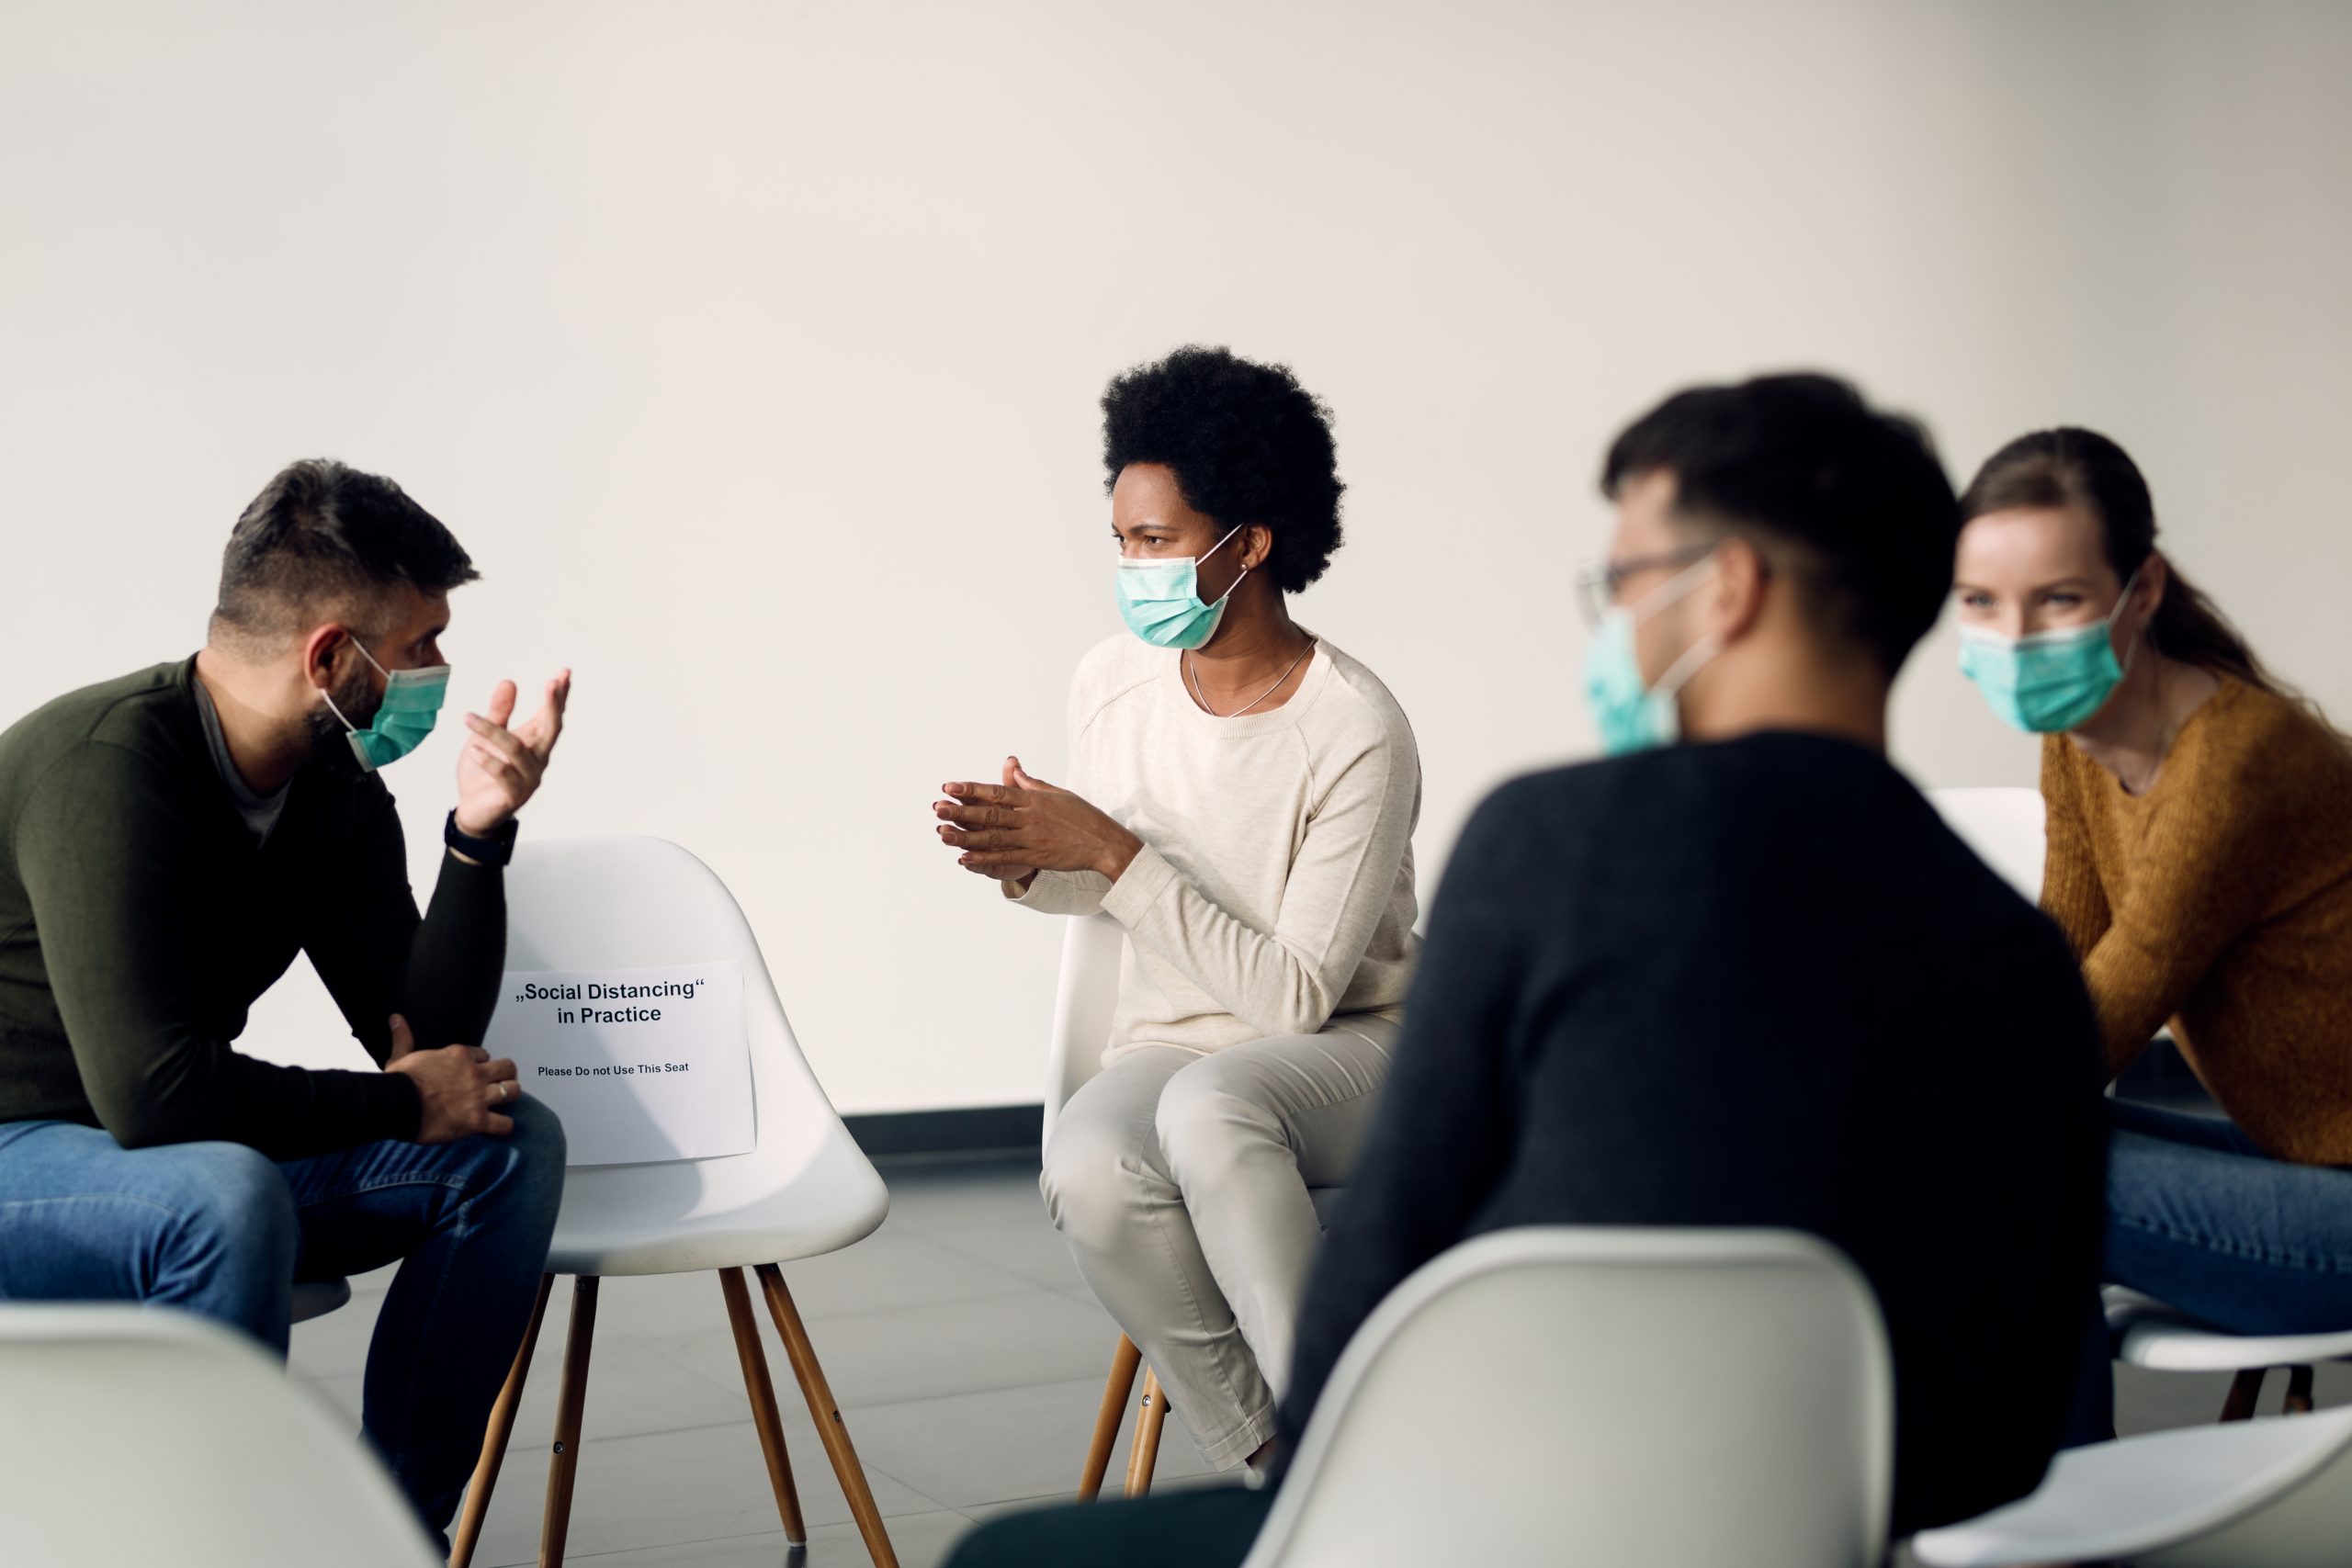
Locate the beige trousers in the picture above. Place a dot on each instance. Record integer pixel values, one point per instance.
(1181, 1180)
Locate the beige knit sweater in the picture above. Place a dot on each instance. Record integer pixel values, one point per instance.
(1274, 889)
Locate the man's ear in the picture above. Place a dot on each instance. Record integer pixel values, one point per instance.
(320, 647)
(1734, 600)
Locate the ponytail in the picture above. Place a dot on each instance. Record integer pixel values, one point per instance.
(2190, 628)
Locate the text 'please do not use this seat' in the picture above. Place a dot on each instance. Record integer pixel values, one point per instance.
(799, 1188)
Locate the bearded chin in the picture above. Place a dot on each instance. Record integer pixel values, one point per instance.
(330, 741)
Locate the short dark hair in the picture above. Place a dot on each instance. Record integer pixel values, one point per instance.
(1854, 498)
(325, 537)
(1248, 445)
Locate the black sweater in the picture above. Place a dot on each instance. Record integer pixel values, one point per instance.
(1755, 983)
(139, 921)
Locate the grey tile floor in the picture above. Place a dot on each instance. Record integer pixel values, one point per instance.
(965, 1353)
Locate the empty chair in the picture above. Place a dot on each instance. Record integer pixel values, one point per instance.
(2269, 1494)
(132, 1436)
(804, 1190)
(1571, 1395)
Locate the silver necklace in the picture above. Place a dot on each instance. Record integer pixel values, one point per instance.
(1193, 673)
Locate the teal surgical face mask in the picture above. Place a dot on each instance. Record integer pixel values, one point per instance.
(412, 702)
(1160, 600)
(1631, 715)
(2048, 681)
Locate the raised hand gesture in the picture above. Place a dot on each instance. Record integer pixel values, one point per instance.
(499, 768)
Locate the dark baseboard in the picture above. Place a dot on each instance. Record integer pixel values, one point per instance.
(1011, 1131)
(966, 1133)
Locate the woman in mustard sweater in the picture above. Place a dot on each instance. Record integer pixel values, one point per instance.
(2200, 862)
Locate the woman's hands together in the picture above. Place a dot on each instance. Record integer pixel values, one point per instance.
(1026, 825)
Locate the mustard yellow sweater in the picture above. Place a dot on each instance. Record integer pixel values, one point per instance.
(2220, 900)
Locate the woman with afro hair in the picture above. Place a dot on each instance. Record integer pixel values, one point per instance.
(1242, 798)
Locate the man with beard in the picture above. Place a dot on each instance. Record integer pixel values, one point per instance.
(168, 842)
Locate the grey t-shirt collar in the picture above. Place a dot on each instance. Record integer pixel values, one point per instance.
(261, 812)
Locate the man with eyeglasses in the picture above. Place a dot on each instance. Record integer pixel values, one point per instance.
(1737, 973)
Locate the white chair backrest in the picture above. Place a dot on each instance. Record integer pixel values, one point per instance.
(1084, 999)
(622, 903)
(132, 1436)
(2270, 1493)
(1604, 1396)
(2004, 826)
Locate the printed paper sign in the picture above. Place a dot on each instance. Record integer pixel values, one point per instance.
(641, 1064)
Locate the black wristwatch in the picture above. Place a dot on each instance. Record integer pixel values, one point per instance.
(496, 850)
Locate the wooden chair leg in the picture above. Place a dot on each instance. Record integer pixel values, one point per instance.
(828, 1416)
(2299, 1391)
(764, 1416)
(564, 1464)
(1145, 1454)
(2244, 1389)
(1107, 1420)
(493, 1439)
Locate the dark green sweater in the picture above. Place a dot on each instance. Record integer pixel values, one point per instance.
(139, 921)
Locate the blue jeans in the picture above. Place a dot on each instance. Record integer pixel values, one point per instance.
(221, 1231)
(2202, 1220)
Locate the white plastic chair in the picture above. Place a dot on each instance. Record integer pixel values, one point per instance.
(132, 1436)
(1566, 1396)
(1084, 1001)
(2270, 1493)
(2004, 826)
(804, 1190)
(1085, 996)
(2149, 1334)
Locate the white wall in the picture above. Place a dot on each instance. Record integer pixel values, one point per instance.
(753, 349)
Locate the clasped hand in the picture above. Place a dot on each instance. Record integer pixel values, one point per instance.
(1024, 825)
(459, 1088)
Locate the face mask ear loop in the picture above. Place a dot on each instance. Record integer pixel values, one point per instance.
(1673, 589)
(332, 706)
(2125, 598)
(368, 656)
(1677, 674)
(1680, 674)
(1212, 550)
(337, 712)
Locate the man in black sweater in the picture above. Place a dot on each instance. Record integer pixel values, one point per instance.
(168, 842)
(1740, 973)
